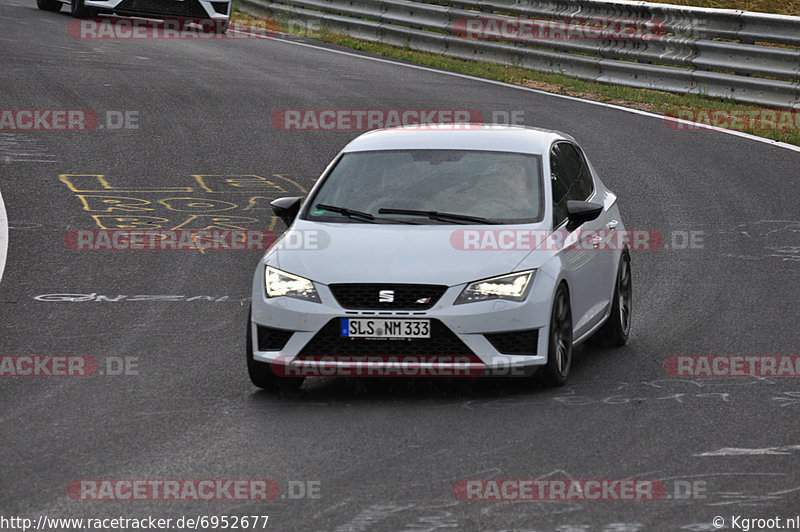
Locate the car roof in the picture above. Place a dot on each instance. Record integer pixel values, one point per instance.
(487, 137)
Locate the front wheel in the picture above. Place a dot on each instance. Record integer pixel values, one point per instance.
(79, 10)
(49, 5)
(261, 373)
(616, 330)
(559, 351)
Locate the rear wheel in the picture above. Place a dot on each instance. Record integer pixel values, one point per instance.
(79, 10)
(616, 330)
(261, 373)
(559, 351)
(49, 5)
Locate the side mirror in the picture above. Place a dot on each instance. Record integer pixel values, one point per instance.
(286, 209)
(579, 212)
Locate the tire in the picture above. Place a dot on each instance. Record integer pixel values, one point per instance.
(559, 345)
(79, 10)
(49, 5)
(617, 328)
(261, 373)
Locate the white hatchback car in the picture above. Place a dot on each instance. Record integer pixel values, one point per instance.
(218, 12)
(461, 250)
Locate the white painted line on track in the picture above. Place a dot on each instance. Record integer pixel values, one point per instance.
(3, 236)
(529, 89)
(739, 451)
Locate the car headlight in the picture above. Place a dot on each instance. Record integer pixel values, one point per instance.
(279, 283)
(514, 286)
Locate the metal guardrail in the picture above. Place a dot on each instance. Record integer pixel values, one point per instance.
(740, 55)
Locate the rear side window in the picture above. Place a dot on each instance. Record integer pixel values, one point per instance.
(570, 178)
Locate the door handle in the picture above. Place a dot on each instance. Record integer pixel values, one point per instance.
(612, 224)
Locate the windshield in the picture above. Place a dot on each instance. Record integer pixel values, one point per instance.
(481, 186)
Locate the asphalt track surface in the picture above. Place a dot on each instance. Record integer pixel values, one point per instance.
(385, 453)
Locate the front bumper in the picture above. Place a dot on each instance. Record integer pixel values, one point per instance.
(490, 337)
(189, 9)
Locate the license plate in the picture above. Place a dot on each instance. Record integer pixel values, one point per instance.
(385, 328)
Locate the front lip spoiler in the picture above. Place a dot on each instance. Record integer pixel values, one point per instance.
(394, 366)
(377, 366)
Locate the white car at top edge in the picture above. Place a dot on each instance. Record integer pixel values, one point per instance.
(218, 12)
(452, 245)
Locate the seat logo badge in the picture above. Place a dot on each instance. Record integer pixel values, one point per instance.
(386, 296)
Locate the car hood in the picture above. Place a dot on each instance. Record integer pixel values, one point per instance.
(369, 253)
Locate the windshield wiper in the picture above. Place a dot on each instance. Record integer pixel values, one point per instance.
(440, 216)
(358, 215)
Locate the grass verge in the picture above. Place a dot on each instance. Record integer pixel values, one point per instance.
(780, 7)
(741, 117)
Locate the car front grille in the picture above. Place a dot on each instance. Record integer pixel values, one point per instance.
(515, 342)
(164, 8)
(387, 296)
(328, 343)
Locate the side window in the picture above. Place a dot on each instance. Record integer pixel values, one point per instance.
(582, 186)
(560, 182)
(570, 177)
